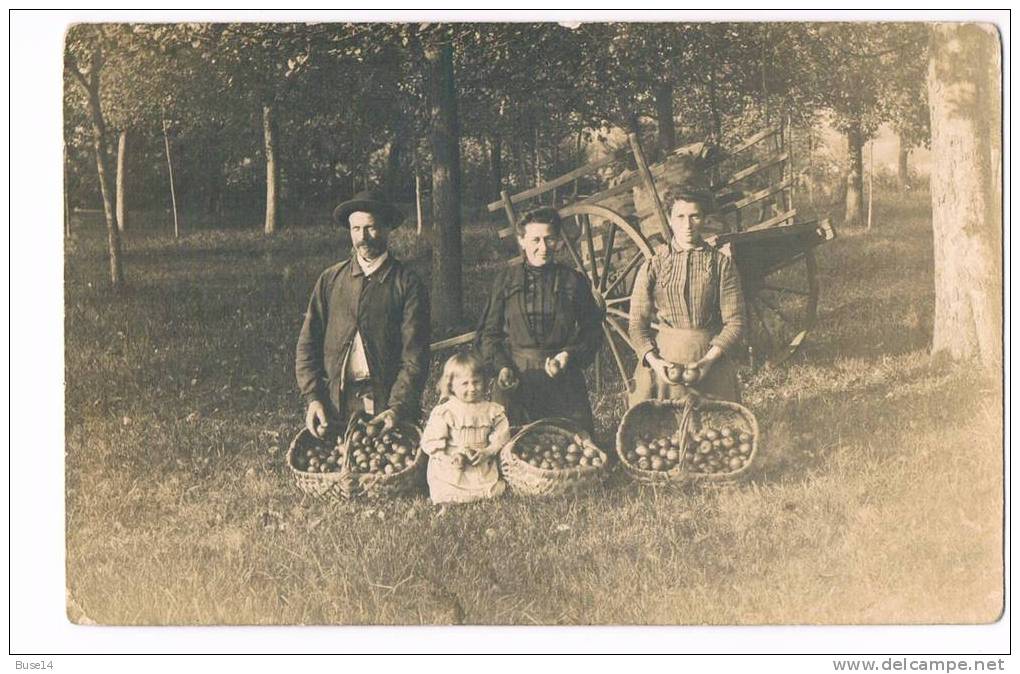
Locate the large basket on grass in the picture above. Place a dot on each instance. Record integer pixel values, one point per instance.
(407, 482)
(326, 486)
(685, 416)
(523, 478)
(713, 412)
(652, 418)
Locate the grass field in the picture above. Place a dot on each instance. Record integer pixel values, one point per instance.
(880, 500)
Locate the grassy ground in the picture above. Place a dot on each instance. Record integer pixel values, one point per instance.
(880, 501)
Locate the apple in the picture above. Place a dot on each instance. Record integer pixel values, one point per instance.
(691, 375)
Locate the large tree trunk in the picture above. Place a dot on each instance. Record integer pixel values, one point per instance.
(447, 296)
(99, 147)
(903, 167)
(664, 117)
(122, 143)
(392, 179)
(964, 91)
(854, 177)
(67, 196)
(272, 169)
(713, 101)
(495, 166)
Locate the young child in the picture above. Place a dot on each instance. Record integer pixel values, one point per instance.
(463, 436)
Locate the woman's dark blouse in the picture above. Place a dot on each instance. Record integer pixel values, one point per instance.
(547, 308)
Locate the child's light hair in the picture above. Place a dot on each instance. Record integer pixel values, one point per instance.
(459, 364)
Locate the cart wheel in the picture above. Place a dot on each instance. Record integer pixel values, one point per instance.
(609, 251)
(782, 303)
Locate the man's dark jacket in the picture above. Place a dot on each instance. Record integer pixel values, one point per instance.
(391, 310)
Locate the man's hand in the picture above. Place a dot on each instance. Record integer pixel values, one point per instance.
(659, 367)
(315, 419)
(507, 378)
(388, 419)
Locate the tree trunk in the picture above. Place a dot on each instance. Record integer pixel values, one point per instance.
(903, 168)
(122, 143)
(964, 91)
(99, 147)
(447, 295)
(67, 197)
(713, 99)
(495, 166)
(272, 169)
(664, 117)
(170, 176)
(854, 178)
(394, 185)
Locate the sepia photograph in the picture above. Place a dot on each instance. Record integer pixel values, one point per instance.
(534, 323)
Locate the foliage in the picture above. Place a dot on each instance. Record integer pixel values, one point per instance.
(352, 109)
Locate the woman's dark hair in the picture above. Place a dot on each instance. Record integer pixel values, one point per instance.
(689, 194)
(546, 215)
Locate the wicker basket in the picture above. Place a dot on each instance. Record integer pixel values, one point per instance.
(713, 412)
(652, 417)
(407, 482)
(326, 486)
(688, 415)
(523, 478)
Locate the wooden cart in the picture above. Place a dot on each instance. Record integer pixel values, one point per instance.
(609, 232)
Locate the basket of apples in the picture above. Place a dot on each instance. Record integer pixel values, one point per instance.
(651, 438)
(550, 457)
(383, 462)
(689, 439)
(317, 465)
(722, 441)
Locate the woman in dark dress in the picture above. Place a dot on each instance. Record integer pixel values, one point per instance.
(691, 291)
(541, 327)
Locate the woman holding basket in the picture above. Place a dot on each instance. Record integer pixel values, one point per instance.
(540, 328)
(692, 291)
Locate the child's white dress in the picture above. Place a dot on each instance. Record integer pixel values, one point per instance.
(454, 427)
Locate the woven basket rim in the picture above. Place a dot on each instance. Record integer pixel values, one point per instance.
(675, 474)
(752, 421)
(507, 455)
(333, 476)
(371, 480)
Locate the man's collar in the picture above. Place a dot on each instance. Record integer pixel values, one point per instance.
(360, 267)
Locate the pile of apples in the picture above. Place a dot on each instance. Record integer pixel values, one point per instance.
(551, 451)
(718, 450)
(660, 453)
(322, 458)
(374, 449)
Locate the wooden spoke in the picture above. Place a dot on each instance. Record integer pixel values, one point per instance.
(627, 269)
(779, 312)
(783, 264)
(590, 240)
(622, 332)
(608, 258)
(616, 300)
(573, 254)
(782, 289)
(617, 357)
(624, 314)
(764, 326)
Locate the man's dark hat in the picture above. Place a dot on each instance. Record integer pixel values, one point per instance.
(369, 201)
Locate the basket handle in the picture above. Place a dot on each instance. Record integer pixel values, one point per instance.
(685, 422)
